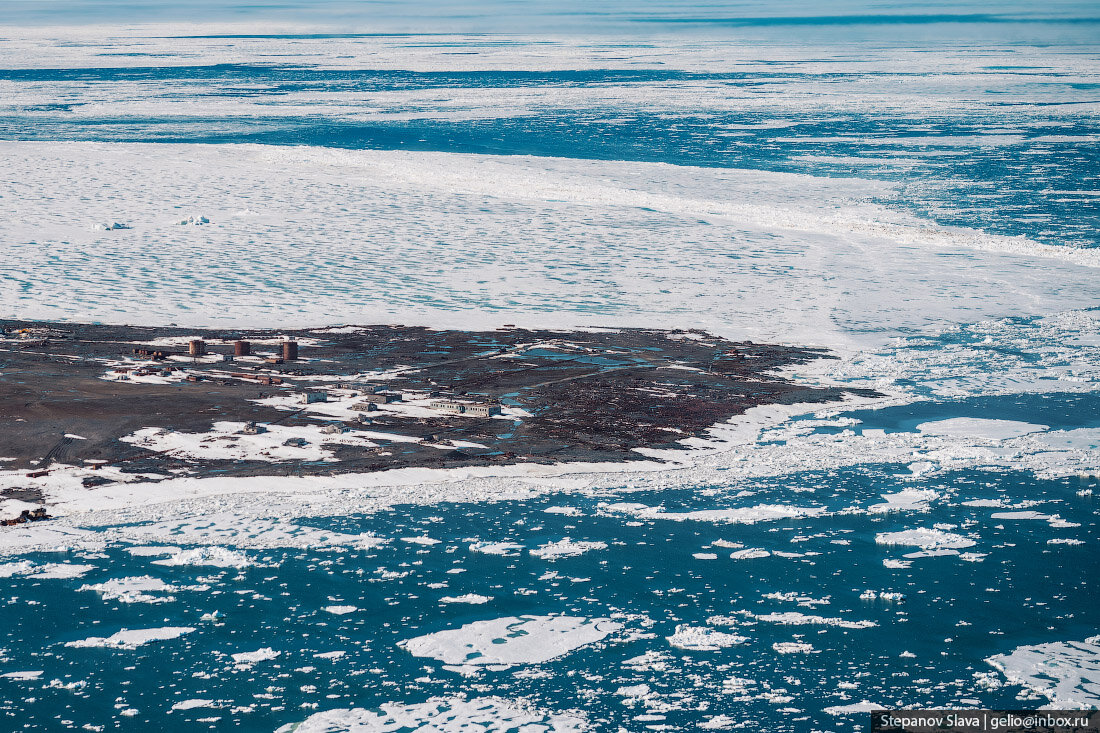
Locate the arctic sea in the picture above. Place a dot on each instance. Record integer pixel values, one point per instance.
(920, 194)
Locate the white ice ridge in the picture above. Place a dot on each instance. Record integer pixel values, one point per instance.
(489, 714)
(505, 642)
(531, 241)
(1066, 673)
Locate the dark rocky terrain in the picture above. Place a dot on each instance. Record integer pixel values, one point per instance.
(69, 393)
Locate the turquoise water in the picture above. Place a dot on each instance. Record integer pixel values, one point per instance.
(954, 613)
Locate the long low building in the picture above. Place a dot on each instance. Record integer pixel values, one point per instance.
(381, 398)
(475, 409)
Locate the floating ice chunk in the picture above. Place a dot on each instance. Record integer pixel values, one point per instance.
(743, 515)
(1066, 673)
(1079, 439)
(972, 427)
(506, 549)
(133, 638)
(851, 709)
(260, 655)
(704, 555)
(566, 547)
(489, 714)
(703, 638)
(504, 642)
(60, 570)
(22, 676)
(568, 511)
(802, 600)
(793, 647)
(110, 226)
(194, 703)
(749, 553)
(896, 564)
(718, 722)
(330, 655)
(924, 538)
(15, 568)
(193, 220)
(651, 660)
(909, 500)
(134, 590)
(219, 557)
(793, 618)
(633, 691)
(472, 598)
(918, 468)
(426, 541)
(1053, 519)
(341, 610)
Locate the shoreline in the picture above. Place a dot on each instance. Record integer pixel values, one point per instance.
(99, 409)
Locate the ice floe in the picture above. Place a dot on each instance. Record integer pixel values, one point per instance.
(442, 714)
(793, 618)
(264, 654)
(566, 547)
(505, 549)
(793, 647)
(504, 642)
(749, 553)
(54, 570)
(1066, 673)
(475, 599)
(744, 515)
(972, 427)
(703, 638)
(926, 538)
(133, 638)
(854, 708)
(212, 556)
(143, 589)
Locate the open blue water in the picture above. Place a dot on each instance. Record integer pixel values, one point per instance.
(954, 613)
